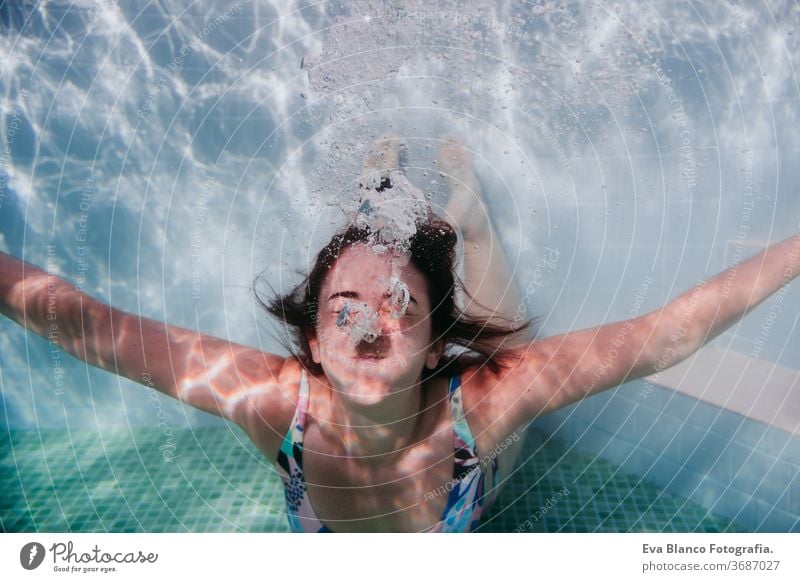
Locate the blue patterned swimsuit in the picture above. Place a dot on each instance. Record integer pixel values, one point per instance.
(466, 499)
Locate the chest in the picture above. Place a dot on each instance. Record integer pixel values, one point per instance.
(410, 495)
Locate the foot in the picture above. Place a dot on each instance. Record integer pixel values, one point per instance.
(384, 157)
(465, 209)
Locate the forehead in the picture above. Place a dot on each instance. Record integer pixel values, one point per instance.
(358, 266)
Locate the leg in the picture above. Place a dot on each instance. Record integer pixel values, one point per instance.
(486, 272)
(382, 158)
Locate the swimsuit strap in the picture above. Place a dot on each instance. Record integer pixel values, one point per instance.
(290, 468)
(298, 426)
(466, 500)
(463, 434)
(460, 426)
(464, 504)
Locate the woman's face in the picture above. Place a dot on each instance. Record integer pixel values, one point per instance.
(363, 281)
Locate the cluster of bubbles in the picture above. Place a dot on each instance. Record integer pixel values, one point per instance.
(362, 323)
(510, 63)
(359, 321)
(399, 298)
(390, 209)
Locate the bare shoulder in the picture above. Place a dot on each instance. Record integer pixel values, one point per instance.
(499, 402)
(271, 405)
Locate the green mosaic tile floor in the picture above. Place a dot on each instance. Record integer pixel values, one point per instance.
(562, 490)
(56, 481)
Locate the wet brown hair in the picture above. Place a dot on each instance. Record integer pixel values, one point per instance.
(432, 250)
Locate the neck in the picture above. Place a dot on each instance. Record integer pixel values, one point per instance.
(378, 432)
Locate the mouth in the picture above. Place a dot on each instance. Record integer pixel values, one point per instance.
(370, 357)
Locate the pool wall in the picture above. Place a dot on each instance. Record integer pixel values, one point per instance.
(736, 467)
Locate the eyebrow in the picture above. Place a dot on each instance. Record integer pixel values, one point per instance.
(345, 294)
(355, 295)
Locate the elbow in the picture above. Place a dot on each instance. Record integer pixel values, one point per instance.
(668, 341)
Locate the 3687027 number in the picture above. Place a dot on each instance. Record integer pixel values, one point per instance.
(748, 565)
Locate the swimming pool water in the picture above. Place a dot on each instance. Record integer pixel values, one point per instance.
(162, 156)
(78, 482)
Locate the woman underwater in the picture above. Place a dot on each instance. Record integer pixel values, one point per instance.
(375, 415)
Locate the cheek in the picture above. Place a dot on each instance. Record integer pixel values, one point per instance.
(417, 332)
(331, 336)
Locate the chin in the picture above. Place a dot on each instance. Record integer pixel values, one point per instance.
(371, 374)
(382, 368)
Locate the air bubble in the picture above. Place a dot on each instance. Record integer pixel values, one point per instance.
(359, 321)
(398, 301)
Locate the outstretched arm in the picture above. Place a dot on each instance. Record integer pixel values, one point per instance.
(557, 371)
(218, 376)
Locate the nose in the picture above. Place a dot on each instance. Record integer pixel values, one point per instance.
(386, 326)
(389, 321)
(377, 348)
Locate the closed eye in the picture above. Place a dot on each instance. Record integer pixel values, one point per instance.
(344, 294)
(411, 298)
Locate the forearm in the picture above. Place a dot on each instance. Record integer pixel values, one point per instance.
(702, 313)
(50, 307)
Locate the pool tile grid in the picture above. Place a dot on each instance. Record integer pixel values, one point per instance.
(222, 484)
